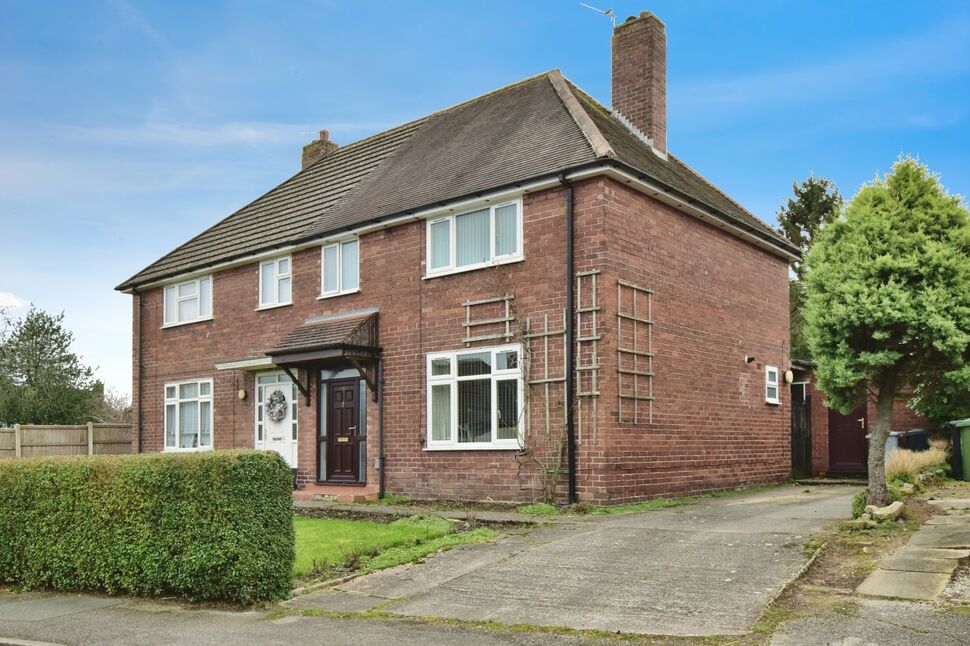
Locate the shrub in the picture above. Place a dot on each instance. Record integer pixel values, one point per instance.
(214, 525)
(858, 504)
(903, 464)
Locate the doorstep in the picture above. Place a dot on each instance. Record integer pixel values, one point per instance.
(335, 493)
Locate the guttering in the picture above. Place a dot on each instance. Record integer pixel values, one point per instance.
(570, 343)
(610, 167)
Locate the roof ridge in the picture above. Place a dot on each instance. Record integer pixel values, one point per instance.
(725, 195)
(597, 142)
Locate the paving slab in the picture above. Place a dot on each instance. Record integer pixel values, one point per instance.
(951, 503)
(914, 563)
(948, 536)
(925, 586)
(334, 600)
(933, 552)
(947, 519)
(704, 569)
(40, 609)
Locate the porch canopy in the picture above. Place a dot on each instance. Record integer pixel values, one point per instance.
(350, 339)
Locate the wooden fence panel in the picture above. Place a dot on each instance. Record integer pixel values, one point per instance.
(87, 439)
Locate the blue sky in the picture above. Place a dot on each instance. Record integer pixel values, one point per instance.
(126, 127)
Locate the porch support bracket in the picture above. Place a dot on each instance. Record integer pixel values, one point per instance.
(303, 388)
(366, 376)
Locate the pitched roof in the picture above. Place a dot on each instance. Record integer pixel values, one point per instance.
(538, 127)
(358, 330)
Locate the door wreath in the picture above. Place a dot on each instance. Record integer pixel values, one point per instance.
(276, 406)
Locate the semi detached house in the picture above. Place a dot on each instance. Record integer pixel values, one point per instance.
(523, 296)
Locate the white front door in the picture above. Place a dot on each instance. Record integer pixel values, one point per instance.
(277, 401)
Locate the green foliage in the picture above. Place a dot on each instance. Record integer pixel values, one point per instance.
(797, 295)
(889, 293)
(409, 553)
(41, 380)
(816, 204)
(538, 509)
(214, 525)
(858, 504)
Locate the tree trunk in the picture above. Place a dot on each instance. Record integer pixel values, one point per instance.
(878, 493)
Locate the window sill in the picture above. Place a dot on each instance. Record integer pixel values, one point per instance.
(485, 265)
(490, 447)
(335, 295)
(273, 307)
(200, 449)
(181, 323)
(770, 403)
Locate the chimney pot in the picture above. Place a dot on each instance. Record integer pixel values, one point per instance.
(318, 149)
(640, 76)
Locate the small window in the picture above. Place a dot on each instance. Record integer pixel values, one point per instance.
(479, 238)
(475, 399)
(340, 268)
(276, 282)
(188, 302)
(188, 416)
(771, 385)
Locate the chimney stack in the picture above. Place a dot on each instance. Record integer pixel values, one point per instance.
(640, 76)
(318, 149)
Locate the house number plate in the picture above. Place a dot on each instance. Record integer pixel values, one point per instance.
(343, 439)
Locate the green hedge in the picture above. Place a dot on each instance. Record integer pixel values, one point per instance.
(215, 525)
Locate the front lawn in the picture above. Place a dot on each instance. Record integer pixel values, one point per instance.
(326, 546)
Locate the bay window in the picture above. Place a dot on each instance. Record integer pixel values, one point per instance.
(188, 302)
(486, 236)
(340, 268)
(276, 282)
(188, 415)
(475, 398)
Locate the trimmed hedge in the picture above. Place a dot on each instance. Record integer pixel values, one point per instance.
(214, 525)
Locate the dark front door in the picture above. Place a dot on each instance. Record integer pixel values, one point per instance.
(801, 433)
(343, 422)
(848, 446)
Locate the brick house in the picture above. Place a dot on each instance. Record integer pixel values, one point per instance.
(416, 312)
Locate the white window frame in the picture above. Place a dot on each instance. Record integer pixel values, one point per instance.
(493, 260)
(776, 384)
(277, 277)
(174, 287)
(167, 401)
(340, 291)
(453, 379)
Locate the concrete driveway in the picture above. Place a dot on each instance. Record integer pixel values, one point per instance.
(703, 569)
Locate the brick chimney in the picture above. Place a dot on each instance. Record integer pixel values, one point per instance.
(640, 76)
(318, 149)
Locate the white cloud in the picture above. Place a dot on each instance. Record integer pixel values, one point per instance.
(8, 299)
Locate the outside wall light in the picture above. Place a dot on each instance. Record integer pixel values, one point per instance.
(242, 393)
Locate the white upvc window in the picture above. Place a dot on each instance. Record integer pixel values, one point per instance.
(487, 236)
(276, 282)
(475, 399)
(772, 391)
(340, 268)
(188, 415)
(188, 301)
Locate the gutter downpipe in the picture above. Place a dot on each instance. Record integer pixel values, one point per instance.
(380, 427)
(141, 372)
(570, 343)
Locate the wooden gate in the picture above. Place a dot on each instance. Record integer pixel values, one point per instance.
(801, 438)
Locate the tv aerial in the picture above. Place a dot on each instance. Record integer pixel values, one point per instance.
(609, 13)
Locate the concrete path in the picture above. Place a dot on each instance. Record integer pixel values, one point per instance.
(871, 622)
(704, 569)
(922, 568)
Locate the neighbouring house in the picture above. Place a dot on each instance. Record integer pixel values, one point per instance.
(826, 442)
(526, 295)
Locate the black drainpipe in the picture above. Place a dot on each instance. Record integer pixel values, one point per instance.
(141, 373)
(570, 344)
(380, 427)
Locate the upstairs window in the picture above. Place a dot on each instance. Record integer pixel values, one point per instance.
(188, 302)
(188, 415)
(772, 393)
(487, 236)
(275, 282)
(475, 399)
(340, 268)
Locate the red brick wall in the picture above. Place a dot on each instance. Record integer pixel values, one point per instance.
(717, 299)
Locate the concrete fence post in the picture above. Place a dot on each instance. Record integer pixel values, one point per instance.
(90, 438)
(17, 440)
